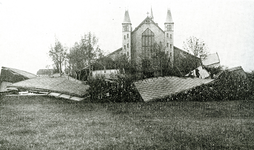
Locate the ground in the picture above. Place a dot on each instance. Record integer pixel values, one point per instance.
(49, 123)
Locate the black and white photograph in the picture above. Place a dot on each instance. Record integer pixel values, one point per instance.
(127, 75)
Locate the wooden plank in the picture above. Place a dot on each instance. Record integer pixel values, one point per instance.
(65, 96)
(77, 98)
(54, 94)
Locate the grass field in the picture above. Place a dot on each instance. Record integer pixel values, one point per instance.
(48, 123)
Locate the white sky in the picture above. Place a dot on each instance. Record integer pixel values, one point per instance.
(29, 28)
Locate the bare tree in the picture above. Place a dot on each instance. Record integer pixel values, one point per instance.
(196, 46)
(83, 53)
(58, 55)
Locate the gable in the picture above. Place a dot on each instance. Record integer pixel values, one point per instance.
(147, 21)
(142, 29)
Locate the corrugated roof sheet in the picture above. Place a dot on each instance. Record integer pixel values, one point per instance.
(21, 72)
(156, 88)
(211, 59)
(60, 84)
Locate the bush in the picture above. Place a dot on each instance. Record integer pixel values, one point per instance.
(97, 87)
(228, 86)
(120, 89)
(251, 82)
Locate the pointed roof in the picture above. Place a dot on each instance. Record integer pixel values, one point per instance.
(152, 13)
(169, 17)
(126, 17)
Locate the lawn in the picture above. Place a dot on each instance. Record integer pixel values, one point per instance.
(49, 123)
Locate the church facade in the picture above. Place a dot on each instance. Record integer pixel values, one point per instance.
(141, 42)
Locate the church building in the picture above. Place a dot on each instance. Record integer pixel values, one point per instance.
(140, 43)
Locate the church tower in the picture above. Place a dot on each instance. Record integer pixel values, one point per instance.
(169, 36)
(126, 35)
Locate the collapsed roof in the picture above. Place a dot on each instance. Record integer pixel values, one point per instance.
(14, 75)
(11, 75)
(62, 85)
(156, 88)
(211, 60)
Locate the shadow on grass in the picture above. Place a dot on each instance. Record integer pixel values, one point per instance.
(23, 132)
(97, 123)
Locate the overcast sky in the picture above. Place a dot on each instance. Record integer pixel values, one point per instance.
(29, 28)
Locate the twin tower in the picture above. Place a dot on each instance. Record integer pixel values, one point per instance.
(140, 42)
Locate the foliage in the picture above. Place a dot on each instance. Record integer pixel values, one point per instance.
(196, 46)
(58, 56)
(185, 63)
(186, 66)
(120, 89)
(98, 86)
(83, 53)
(126, 91)
(251, 82)
(125, 65)
(157, 64)
(228, 86)
(102, 62)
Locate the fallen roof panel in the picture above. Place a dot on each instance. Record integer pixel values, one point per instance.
(211, 59)
(60, 84)
(156, 88)
(21, 72)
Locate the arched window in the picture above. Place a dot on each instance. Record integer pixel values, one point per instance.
(147, 42)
